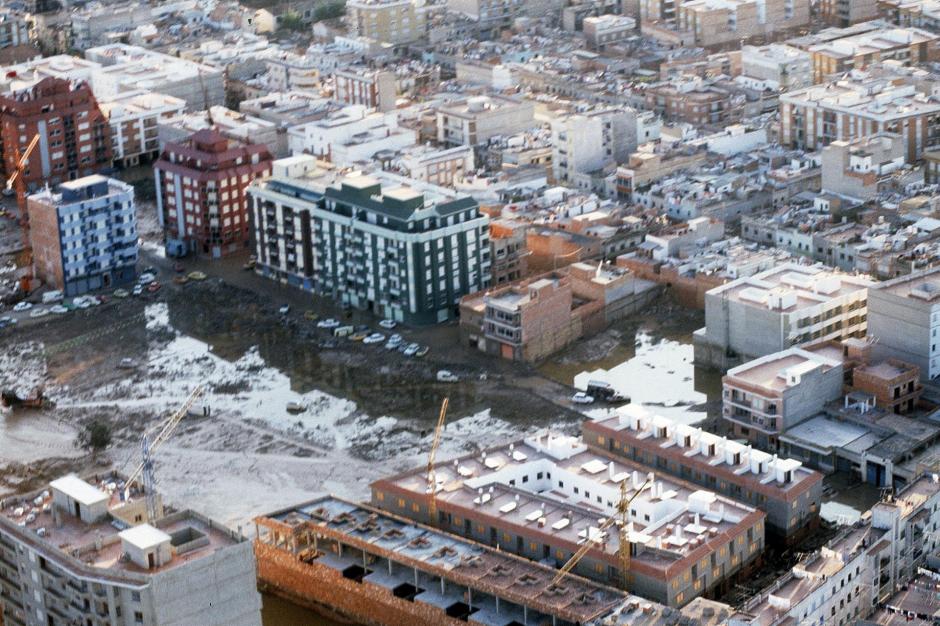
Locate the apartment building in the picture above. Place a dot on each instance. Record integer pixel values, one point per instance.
(650, 165)
(780, 308)
(14, 29)
(691, 100)
(438, 166)
(862, 168)
(727, 467)
(588, 141)
(373, 89)
(201, 187)
(353, 133)
(84, 235)
(858, 51)
(904, 321)
(608, 30)
(74, 135)
(134, 117)
(405, 250)
(542, 498)
(236, 126)
(777, 64)
(711, 23)
(490, 16)
(847, 12)
(90, 26)
(509, 253)
(859, 105)
(395, 22)
(766, 396)
(478, 119)
(894, 384)
(290, 72)
(917, 13)
(79, 552)
(421, 575)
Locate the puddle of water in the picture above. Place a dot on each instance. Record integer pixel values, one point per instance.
(656, 372)
(847, 506)
(278, 612)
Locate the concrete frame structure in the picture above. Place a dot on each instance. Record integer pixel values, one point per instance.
(134, 118)
(712, 462)
(541, 497)
(61, 561)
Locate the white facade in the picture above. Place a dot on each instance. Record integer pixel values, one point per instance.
(354, 133)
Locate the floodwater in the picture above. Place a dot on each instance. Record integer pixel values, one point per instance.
(278, 612)
(655, 371)
(850, 499)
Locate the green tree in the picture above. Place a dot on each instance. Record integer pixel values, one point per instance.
(95, 437)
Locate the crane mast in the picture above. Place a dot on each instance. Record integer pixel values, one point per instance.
(432, 476)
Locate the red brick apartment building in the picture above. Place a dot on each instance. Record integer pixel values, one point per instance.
(201, 187)
(74, 135)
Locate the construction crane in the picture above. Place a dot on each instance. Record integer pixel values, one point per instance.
(17, 181)
(153, 438)
(623, 551)
(432, 477)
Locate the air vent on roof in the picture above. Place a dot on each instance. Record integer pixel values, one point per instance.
(926, 291)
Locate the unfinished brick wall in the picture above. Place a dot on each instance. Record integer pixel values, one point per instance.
(313, 584)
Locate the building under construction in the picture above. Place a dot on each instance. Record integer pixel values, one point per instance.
(547, 496)
(368, 566)
(89, 552)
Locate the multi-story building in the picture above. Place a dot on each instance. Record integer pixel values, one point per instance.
(134, 117)
(86, 552)
(648, 166)
(387, 21)
(727, 467)
(84, 235)
(861, 168)
(847, 12)
(766, 396)
(438, 166)
(904, 320)
(421, 575)
(542, 498)
(201, 193)
(778, 309)
(478, 119)
(711, 23)
(373, 89)
(93, 27)
(784, 66)
(509, 251)
(491, 16)
(917, 13)
(608, 30)
(587, 142)
(239, 127)
(859, 105)
(894, 384)
(74, 135)
(289, 72)
(691, 100)
(14, 30)
(351, 134)
(858, 51)
(404, 249)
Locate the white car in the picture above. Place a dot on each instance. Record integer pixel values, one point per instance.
(445, 376)
(284, 310)
(582, 398)
(58, 309)
(374, 338)
(328, 323)
(38, 312)
(388, 324)
(411, 349)
(22, 306)
(51, 297)
(146, 279)
(138, 290)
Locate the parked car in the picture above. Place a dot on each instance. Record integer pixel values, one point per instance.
(22, 306)
(412, 349)
(146, 278)
(38, 312)
(343, 331)
(137, 290)
(328, 323)
(446, 376)
(422, 351)
(388, 324)
(58, 309)
(311, 316)
(197, 276)
(121, 293)
(284, 310)
(181, 279)
(359, 335)
(51, 297)
(153, 287)
(582, 398)
(374, 338)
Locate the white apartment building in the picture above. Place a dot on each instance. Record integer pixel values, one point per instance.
(375, 89)
(904, 320)
(608, 30)
(77, 552)
(135, 117)
(478, 119)
(438, 166)
(289, 72)
(783, 66)
(354, 133)
(783, 307)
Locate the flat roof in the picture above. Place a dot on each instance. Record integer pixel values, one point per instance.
(144, 537)
(772, 372)
(822, 431)
(78, 490)
(801, 286)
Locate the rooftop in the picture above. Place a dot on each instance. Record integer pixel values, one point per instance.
(791, 287)
(781, 370)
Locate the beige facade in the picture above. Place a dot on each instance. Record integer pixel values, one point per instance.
(388, 21)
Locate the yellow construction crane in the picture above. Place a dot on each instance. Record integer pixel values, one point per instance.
(153, 438)
(432, 477)
(623, 551)
(16, 181)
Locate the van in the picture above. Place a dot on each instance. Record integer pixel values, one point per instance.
(343, 331)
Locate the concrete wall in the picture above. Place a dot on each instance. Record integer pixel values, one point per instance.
(901, 328)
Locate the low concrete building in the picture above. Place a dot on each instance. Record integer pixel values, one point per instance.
(732, 469)
(542, 497)
(784, 66)
(84, 234)
(478, 119)
(862, 168)
(608, 30)
(893, 383)
(80, 552)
